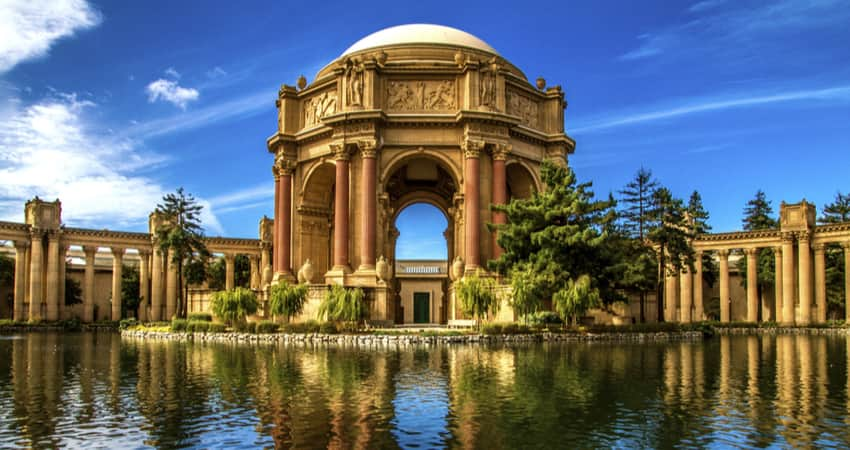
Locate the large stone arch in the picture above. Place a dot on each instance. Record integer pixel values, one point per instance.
(402, 158)
(315, 217)
(522, 181)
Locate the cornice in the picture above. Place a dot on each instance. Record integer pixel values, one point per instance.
(739, 235)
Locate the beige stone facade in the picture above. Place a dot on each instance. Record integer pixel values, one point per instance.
(409, 114)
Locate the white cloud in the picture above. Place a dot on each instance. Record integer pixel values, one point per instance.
(705, 104)
(173, 73)
(29, 28)
(216, 72)
(48, 149)
(170, 91)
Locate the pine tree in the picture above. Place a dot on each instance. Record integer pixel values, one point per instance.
(558, 242)
(636, 218)
(758, 215)
(180, 232)
(699, 218)
(836, 212)
(672, 237)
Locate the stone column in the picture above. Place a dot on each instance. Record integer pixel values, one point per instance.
(283, 221)
(255, 272)
(264, 261)
(788, 314)
(229, 276)
(156, 285)
(724, 284)
(277, 214)
(686, 282)
(341, 209)
(144, 284)
(368, 203)
(805, 277)
(170, 287)
(699, 309)
(88, 284)
(21, 248)
(777, 281)
(846, 246)
(63, 253)
(36, 272)
(117, 270)
(671, 300)
(500, 190)
(52, 300)
(752, 285)
(820, 282)
(472, 202)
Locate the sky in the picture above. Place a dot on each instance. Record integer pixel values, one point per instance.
(109, 105)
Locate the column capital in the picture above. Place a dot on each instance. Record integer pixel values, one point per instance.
(472, 148)
(230, 257)
(500, 152)
(723, 253)
(340, 152)
(368, 148)
(803, 235)
(846, 246)
(697, 255)
(89, 250)
(117, 251)
(285, 165)
(777, 250)
(20, 245)
(787, 237)
(144, 251)
(819, 247)
(751, 251)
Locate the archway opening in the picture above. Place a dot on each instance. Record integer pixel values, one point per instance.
(421, 263)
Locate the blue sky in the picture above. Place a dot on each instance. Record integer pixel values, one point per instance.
(109, 105)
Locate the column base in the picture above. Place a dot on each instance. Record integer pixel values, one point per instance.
(366, 277)
(283, 277)
(337, 275)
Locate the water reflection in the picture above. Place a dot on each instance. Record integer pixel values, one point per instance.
(90, 389)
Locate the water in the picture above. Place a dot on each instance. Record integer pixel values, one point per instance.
(97, 390)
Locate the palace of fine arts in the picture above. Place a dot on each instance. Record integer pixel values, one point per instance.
(492, 228)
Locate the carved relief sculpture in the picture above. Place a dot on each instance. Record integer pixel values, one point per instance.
(319, 106)
(522, 107)
(437, 95)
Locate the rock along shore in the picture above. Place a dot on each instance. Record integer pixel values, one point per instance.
(368, 340)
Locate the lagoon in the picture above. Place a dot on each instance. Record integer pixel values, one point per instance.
(97, 389)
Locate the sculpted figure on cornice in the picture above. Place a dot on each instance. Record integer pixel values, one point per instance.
(522, 107)
(354, 82)
(319, 106)
(433, 95)
(488, 85)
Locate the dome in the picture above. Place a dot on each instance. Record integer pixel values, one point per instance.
(420, 34)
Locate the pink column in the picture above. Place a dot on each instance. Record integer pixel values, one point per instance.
(284, 221)
(471, 194)
(368, 153)
(500, 191)
(277, 214)
(341, 208)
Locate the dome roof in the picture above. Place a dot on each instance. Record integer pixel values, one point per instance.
(420, 34)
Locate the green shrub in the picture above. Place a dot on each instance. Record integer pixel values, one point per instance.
(310, 326)
(127, 323)
(179, 324)
(328, 328)
(477, 296)
(343, 304)
(75, 325)
(491, 328)
(542, 318)
(200, 317)
(245, 327)
(217, 327)
(287, 300)
(198, 326)
(266, 326)
(233, 306)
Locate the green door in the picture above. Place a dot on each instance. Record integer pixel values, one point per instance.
(421, 307)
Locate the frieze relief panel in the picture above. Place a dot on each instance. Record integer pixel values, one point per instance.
(522, 107)
(425, 95)
(319, 106)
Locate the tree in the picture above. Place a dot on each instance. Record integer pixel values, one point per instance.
(130, 295)
(287, 300)
(477, 296)
(343, 304)
(242, 271)
(554, 237)
(672, 237)
(758, 215)
(216, 273)
(576, 299)
(699, 225)
(636, 217)
(73, 292)
(233, 306)
(179, 231)
(836, 212)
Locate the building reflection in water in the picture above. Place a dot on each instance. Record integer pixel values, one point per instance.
(75, 390)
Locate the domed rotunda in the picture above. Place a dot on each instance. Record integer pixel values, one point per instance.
(409, 114)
